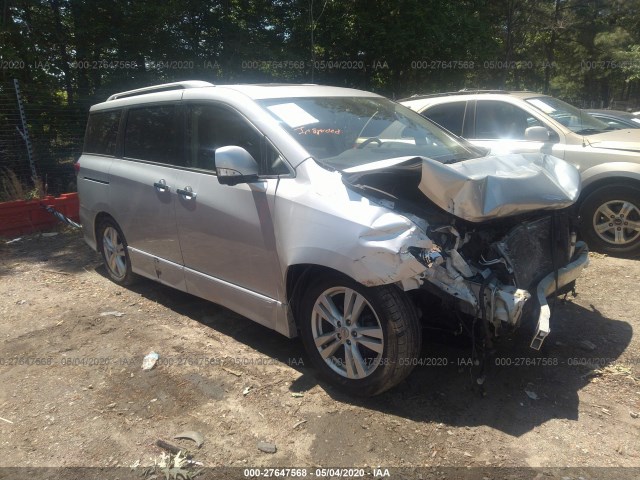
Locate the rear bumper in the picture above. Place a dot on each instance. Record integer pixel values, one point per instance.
(548, 286)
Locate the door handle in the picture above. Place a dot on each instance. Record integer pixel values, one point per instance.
(161, 186)
(187, 193)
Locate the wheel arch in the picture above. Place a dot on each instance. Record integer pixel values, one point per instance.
(99, 218)
(297, 280)
(605, 190)
(599, 177)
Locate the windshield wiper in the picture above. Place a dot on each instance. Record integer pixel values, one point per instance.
(324, 164)
(367, 124)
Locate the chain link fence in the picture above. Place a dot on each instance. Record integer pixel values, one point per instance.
(55, 131)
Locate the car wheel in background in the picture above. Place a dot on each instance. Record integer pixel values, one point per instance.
(610, 220)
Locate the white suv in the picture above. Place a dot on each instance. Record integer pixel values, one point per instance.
(527, 122)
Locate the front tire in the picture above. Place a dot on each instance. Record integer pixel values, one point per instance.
(363, 339)
(115, 255)
(610, 220)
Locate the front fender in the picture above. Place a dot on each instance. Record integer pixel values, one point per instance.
(322, 222)
(375, 256)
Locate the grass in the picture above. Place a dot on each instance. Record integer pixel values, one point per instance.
(12, 188)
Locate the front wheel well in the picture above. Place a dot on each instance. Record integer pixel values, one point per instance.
(608, 182)
(298, 278)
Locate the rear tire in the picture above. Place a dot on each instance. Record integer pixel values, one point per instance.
(370, 348)
(115, 254)
(610, 220)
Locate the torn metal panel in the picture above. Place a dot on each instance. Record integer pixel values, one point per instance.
(501, 303)
(507, 304)
(487, 188)
(452, 283)
(547, 286)
(388, 240)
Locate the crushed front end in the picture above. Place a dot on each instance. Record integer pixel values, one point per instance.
(501, 227)
(503, 272)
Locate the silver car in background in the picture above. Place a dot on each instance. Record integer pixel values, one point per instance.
(525, 122)
(327, 212)
(615, 119)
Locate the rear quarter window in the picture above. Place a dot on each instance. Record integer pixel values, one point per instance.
(102, 133)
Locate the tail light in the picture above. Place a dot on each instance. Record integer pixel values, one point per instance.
(76, 167)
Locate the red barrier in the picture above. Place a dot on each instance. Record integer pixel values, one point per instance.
(22, 217)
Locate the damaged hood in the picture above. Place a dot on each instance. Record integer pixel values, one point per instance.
(491, 187)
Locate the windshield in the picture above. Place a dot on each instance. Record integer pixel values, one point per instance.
(571, 117)
(344, 132)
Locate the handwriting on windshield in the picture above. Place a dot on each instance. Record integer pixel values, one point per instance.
(318, 131)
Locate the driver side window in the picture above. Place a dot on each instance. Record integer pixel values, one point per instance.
(213, 126)
(501, 120)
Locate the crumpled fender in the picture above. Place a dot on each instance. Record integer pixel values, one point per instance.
(326, 223)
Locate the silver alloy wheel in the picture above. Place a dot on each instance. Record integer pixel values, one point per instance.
(347, 333)
(617, 222)
(114, 252)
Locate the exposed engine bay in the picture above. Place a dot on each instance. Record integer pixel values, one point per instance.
(502, 261)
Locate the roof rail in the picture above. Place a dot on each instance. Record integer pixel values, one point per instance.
(161, 88)
(479, 90)
(280, 84)
(464, 91)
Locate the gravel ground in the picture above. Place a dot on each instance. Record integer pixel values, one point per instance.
(74, 393)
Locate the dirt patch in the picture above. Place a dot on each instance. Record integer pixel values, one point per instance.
(74, 393)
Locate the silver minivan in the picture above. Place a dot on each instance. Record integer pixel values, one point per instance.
(330, 213)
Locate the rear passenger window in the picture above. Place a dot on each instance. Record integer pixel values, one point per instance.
(102, 132)
(152, 134)
(448, 115)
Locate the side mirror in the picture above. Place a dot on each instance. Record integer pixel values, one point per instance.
(235, 165)
(537, 134)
